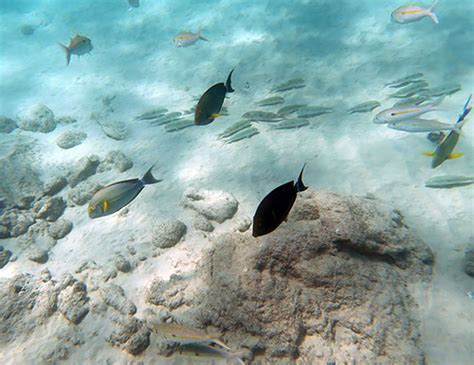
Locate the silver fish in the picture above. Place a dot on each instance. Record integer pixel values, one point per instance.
(274, 100)
(368, 106)
(152, 114)
(179, 125)
(79, 45)
(243, 134)
(186, 39)
(313, 111)
(449, 181)
(410, 90)
(114, 197)
(292, 123)
(209, 352)
(290, 109)
(414, 100)
(412, 13)
(447, 89)
(405, 80)
(261, 116)
(405, 112)
(234, 128)
(290, 85)
(423, 125)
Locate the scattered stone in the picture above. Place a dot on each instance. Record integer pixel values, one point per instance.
(244, 224)
(7, 125)
(202, 224)
(114, 296)
(38, 118)
(317, 286)
(73, 300)
(122, 264)
(50, 208)
(37, 254)
(168, 233)
(85, 167)
(27, 29)
(132, 336)
(55, 185)
(469, 261)
(54, 352)
(4, 257)
(60, 229)
(115, 159)
(70, 139)
(66, 120)
(16, 222)
(215, 205)
(115, 130)
(82, 193)
(170, 294)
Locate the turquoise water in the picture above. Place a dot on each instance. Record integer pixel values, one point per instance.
(344, 51)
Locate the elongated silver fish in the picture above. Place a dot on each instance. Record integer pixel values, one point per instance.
(405, 112)
(405, 80)
(412, 13)
(449, 181)
(114, 197)
(423, 125)
(186, 39)
(210, 352)
(415, 87)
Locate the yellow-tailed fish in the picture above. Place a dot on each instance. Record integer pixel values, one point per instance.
(79, 45)
(186, 39)
(423, 125)
(444, 150)
(176, 333)
(210, 103)
(412, 13)
(201, 351)
(405, 112)
(114, 197)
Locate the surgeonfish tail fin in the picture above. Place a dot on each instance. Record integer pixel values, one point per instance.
(148, 178)
(299, 184)
(431, 14)
(68, 54)
(429, 154)
(228, 85)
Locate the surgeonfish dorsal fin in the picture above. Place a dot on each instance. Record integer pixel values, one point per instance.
(299, 183)
(228, 85)
(148, 178)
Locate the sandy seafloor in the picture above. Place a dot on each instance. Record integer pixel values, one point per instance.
(345, 50)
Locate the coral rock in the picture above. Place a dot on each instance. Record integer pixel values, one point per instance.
(168, 233)
(213, 204)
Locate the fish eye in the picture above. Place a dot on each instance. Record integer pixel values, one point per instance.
(392, 114)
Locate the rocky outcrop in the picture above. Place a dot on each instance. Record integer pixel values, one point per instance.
(117, 160)
(114, 296)
(85, 167)
(168, 233)
(7, 125)
(70, 139)
(131, 335)
(82, 193)
(115, 129)
(38, 118)
(329, 285)
(60, 229)
(469, 261)
(214, 205)
(73, 300)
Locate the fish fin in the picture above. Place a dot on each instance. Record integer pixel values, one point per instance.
(431, 14)
(222, 344)
(429, 154)
(228, 85)
(438, 101)
(148, 178)
(105, 205)
(68, 54)
(453, 156)
(299, 184)
(215, 115)
(202, 38)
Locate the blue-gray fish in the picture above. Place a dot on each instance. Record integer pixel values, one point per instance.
(114, 197)
(79, 45)
(449, 181)
(423, 125)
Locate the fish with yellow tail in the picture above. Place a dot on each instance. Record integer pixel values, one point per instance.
(413, 13)
(444, 150)
(186, 39)
(210, 103)
(78, 45)
(113, 197)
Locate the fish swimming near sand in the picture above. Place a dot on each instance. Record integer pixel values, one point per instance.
(405, 80)
(186, 39)
(368, 106)
(444, 150)
(415, 87)
(274, 100)
(423, 125)
(412, 13)
(405, 112)
(176, 333)
(449, 181)
(200, 351)
(133, 4)
(79, 45)
(114, 197)
(274, 208)
(210, 103)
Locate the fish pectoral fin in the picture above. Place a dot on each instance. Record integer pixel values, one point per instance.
(429, 154)
(105, 205)
(453, 156)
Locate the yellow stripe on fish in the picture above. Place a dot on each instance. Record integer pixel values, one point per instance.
(406, 111)
(412, 12)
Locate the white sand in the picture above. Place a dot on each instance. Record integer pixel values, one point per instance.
(345, 58)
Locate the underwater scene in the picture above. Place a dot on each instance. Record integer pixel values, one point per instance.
(236, 182)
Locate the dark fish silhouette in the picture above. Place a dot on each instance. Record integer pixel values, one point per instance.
(274, 208)
(210, 103)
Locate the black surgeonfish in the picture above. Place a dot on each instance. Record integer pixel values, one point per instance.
(274, 208)
(210, 103)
